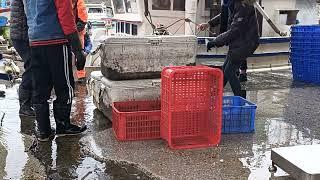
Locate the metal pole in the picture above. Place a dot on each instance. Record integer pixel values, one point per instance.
(264, 14)
(318, 10)
(260, 19)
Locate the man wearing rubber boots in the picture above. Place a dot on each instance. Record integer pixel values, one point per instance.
(52, 30)
(241, 35)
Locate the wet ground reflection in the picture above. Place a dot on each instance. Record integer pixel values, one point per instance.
(62, 158)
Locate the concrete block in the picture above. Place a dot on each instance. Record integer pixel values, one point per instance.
(105, 91)
(144, 57)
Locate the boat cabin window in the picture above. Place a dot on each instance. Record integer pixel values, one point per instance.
(175, 5)
(122, 27)
(134, 29)
(95, 10)
(179, 5)
(131, 6)
(118, 6)
(161, 4)
(109, 12)
(128, 28)
(118, 27)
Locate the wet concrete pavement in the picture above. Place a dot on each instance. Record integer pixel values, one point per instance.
(64, 157)
(287, 115)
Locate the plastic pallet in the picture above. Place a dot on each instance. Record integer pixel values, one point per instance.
(191, 112)
(136, 120)
(238, 115)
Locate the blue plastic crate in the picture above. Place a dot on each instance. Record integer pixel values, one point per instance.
(305, 53)
(307, 70)
(305, 28)
(303, 57)
(238, 115)
(305, 45)
(305, 35)
(304, 39)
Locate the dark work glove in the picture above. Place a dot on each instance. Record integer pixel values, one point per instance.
(77, 50)
(210, 45)
(80, 60)
(81, 25)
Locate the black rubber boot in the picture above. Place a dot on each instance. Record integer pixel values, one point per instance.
(25, 103)
(42, 116)
(62, 118)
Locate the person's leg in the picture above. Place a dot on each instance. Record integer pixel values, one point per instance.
(230, 68)
(225, 79)
(61, 69)
(25, 89)
(244, 64)
(41, 79)
(243, 71)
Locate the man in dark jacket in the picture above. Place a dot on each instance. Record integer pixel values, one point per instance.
(242, 37)
(51, 30)
(20, 41)
(222, 19)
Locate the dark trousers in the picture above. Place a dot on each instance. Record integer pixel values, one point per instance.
(51, 68)
(244, 65)
(235, 59)
(230, 68)
(23, 49)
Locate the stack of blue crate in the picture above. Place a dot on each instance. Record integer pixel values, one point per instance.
(305, 53)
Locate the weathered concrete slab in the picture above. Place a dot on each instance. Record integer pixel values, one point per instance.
(105, 91)
(144, 57)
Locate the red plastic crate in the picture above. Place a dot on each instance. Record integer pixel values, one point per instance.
(136, 120)
(191, 106)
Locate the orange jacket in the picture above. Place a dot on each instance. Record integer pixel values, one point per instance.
(80, 11)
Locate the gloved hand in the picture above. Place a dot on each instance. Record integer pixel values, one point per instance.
(80, 60)
(81, 25)
(77, 50)
(210, 45)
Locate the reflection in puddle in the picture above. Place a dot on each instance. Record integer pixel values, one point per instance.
(11, 137)
(278, 134)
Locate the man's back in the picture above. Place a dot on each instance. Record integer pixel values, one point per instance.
(49, 21)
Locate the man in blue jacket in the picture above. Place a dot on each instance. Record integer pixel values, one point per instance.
(52, 30)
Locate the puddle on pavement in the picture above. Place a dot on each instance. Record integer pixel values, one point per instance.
(62, 158)
(278, 133)
(290, 129)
